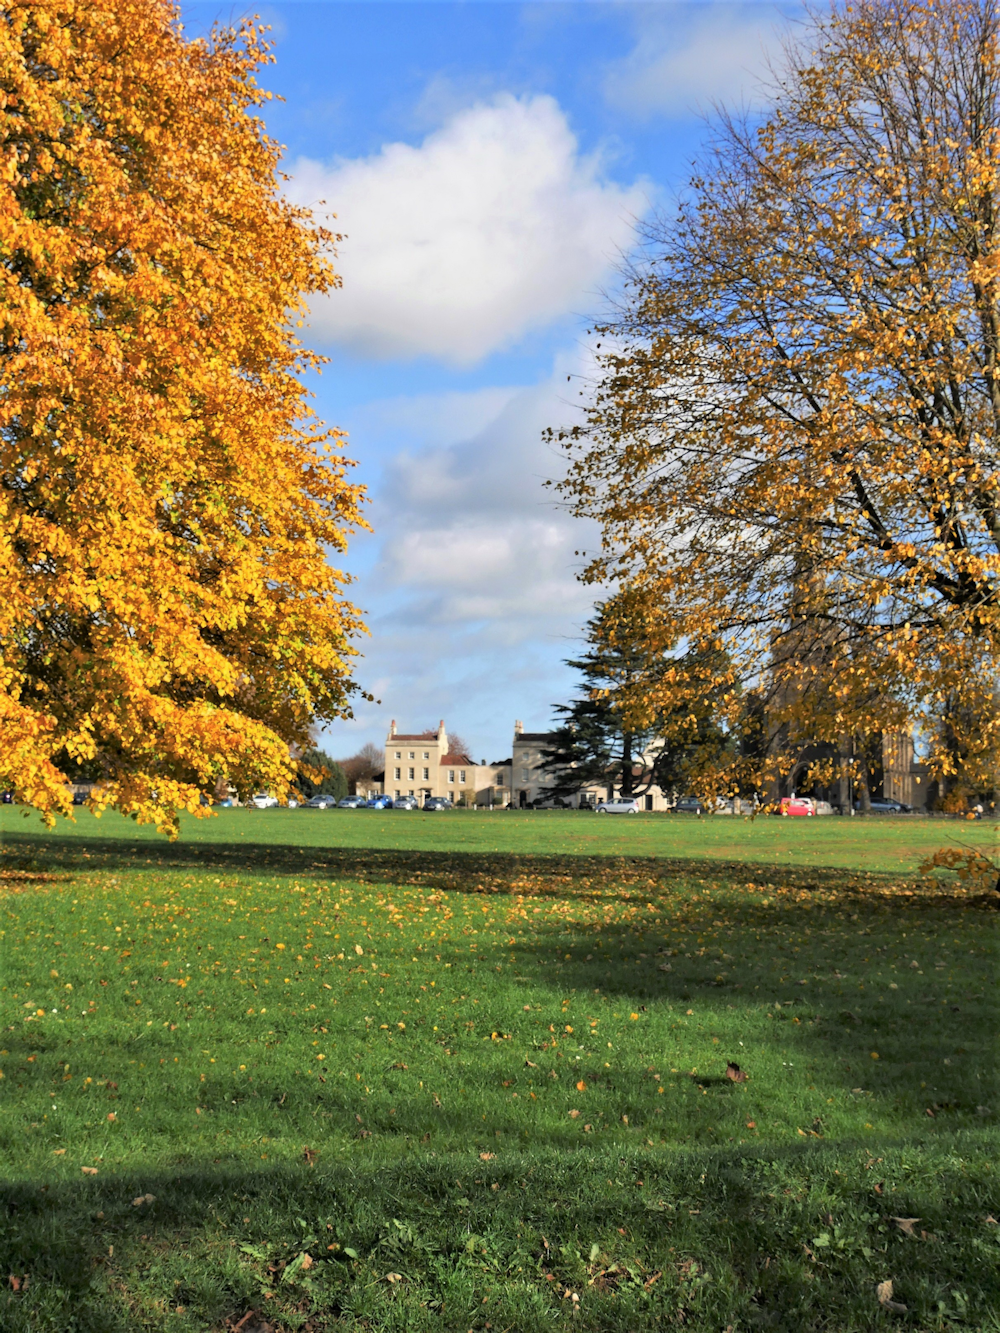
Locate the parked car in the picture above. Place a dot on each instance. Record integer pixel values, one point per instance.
(438, 803)
(886, 807)
(7, 798)
(688, 805)
(350, 802)
(264, 802)
(321, 801)
(227, 804)
(823, 807)
(624, 806)
(79, 798)
(380, 803)
(800, 806)
(405, 803)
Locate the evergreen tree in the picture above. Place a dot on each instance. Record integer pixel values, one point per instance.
(608, 736)
(332, 780)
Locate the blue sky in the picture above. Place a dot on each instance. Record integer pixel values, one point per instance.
(488, 164)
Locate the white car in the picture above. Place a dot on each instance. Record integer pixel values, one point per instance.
(264, 802)
(623, 806)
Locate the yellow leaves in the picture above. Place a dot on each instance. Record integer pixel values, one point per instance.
(200, 628)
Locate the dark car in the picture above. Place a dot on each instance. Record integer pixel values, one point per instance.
(7, 798)
(438, 803)
(688, 805)
(886, 807)
(79, 798)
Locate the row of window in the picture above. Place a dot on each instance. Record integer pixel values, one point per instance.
(412, 755)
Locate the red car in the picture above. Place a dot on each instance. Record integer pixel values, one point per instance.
(797, 805)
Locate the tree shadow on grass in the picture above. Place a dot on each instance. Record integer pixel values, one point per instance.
(529, 874)
(807, 943)
(790, 1239)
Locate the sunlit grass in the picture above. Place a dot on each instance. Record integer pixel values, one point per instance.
(501, 1078)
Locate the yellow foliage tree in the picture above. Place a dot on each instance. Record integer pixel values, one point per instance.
(793, 445)
(166, 498)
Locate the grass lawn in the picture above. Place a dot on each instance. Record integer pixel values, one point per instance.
(469, 1072)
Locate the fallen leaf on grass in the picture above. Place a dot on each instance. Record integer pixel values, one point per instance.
(143, 1198)
(735, 1073)
(884, 1293)
(393, 1277)
(581, 1086)
(487, 1156)
(573, 1115)
(18, 1283)
(58, 1152)
(89, 1170)
(307, 1262)
(905, 1224)
(309, 1155)
(990, 1220)
(531, 1064)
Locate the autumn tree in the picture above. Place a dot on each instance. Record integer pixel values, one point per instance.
(167, 500)
(793, 441)
(363, 766)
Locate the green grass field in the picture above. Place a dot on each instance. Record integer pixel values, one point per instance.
(323, 1070)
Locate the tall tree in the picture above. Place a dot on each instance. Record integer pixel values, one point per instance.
(794, 444)
(610, 736)
(166, 498)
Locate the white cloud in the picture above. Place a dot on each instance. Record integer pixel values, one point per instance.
(473, 601)
(684, 61)
(493, 226)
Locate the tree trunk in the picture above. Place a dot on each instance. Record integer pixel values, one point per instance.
(626, 785)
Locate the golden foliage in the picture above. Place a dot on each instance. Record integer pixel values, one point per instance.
(793, 445)
(165, 499)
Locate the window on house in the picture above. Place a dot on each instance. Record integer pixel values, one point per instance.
(461, 776)
(524, 775)
(410, 792)
(397, 775)
(410, 774)
(451, 775)
(427, 754)
(427, 773)
(500, 778)
(399, 754)
(412, 754)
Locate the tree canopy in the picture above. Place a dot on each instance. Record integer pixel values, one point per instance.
(167, 499)
(793, 444)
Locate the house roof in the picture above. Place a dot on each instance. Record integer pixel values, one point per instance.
(533, 736)
(420, 736)
(457, 759)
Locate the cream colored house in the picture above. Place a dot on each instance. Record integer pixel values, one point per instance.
(421, 764)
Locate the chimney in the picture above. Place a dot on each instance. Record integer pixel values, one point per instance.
(518, 728)
(392, 728)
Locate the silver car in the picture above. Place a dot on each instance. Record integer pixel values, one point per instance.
(623, 806)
